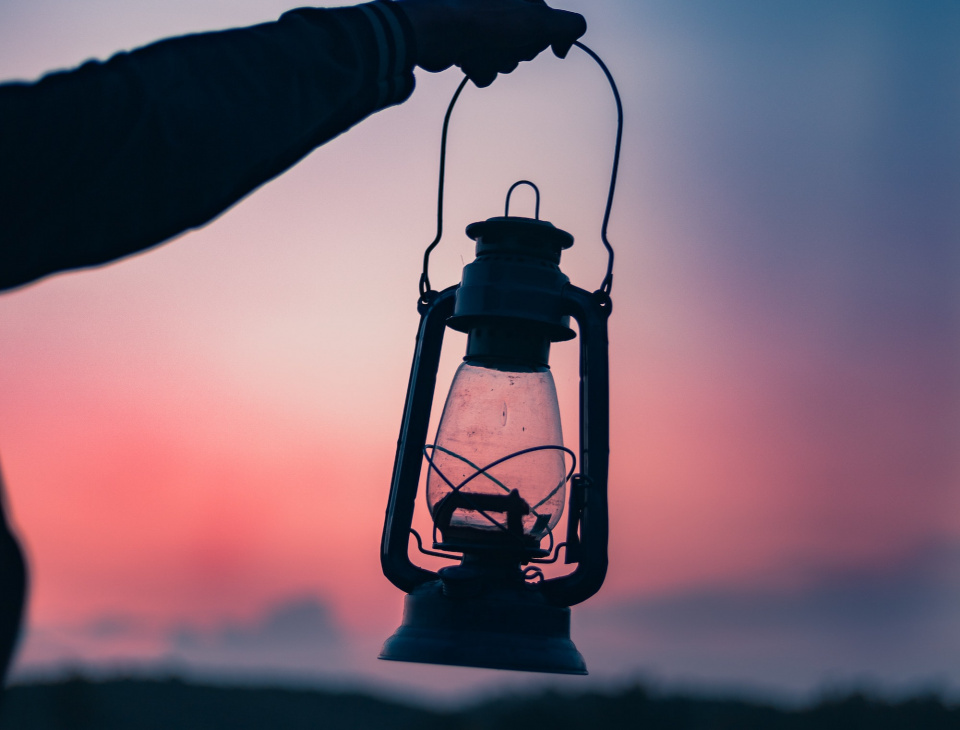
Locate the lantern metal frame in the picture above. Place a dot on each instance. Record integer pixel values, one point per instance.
(485, 612)
(587, 523)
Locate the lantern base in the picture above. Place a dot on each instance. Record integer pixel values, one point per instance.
(505, 628)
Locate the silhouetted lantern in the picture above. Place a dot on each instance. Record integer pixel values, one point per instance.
(498, 474)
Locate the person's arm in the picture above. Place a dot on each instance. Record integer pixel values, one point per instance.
(112, 158)
(13, 588)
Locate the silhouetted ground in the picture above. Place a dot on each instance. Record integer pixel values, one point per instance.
(79, 704)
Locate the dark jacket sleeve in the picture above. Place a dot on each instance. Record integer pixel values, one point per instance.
(111, 158)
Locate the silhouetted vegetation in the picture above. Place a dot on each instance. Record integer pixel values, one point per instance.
(79, 704)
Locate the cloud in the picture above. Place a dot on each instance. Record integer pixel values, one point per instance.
(899, 627)
(108, 640)
(108, 628)
(299, 634)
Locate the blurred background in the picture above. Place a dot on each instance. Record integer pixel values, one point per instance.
(198, 440)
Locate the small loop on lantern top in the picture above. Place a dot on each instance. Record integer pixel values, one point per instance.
(536, 190)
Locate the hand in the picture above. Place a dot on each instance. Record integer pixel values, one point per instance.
(487, 37)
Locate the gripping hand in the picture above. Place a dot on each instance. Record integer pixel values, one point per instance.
(487, 37)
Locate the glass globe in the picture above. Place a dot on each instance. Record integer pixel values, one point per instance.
(480, 490)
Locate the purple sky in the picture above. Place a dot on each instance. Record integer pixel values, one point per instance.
(198, 440)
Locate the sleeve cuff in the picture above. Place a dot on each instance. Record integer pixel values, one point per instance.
(396, 49)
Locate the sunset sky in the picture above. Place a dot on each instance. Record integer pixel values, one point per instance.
(198, 440)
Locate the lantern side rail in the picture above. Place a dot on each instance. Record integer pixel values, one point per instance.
(588, 517)
(435, 308)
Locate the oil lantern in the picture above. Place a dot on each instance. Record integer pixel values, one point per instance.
(498, 474)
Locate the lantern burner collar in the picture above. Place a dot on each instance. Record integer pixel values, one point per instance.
(513, 235)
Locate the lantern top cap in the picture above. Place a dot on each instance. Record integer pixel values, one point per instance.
(523, 235)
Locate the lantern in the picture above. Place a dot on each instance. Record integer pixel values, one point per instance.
(498, 475)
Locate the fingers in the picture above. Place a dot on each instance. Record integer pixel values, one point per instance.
(531, 31)
(560, 50)
(481, 78)
(482, 71)
(488, 37)
(570, 26)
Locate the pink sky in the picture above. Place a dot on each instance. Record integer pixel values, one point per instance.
(201, 433)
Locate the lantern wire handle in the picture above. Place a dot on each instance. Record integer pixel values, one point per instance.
(424, 277)
(536, 210)
(608, 278)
